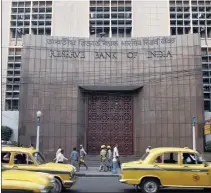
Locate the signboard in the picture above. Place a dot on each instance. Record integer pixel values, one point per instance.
(207, 129)
(207, 132)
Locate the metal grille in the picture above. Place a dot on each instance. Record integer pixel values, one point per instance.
(110, 121)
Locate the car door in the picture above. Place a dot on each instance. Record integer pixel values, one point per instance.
(23, 161)
(168, 169)
(194, 171)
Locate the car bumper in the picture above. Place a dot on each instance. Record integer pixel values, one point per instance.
(69, 183)
(122, 181)
(129, 181)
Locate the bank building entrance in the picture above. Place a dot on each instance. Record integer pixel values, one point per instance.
(109, 122)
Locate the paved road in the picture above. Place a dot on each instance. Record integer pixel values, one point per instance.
(111, 184)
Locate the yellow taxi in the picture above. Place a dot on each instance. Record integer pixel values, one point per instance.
(19, 181)
(167, 167)
(32, 160)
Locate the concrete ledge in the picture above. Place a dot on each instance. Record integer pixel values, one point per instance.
(94, 172)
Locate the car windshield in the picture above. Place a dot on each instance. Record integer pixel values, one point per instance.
(144, 156)
(39, 158)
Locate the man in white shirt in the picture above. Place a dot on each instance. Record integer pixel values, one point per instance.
(58, 151)
(60, 157)
(82, 151)
(116, 155)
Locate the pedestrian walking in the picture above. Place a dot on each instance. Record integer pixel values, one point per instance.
(74, 158)
(103, 158)
(116, 155)
(58, 151)
(60, 157)
(148, 148)
(82, 156)
(109, 158)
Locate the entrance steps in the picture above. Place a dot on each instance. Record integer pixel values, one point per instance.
(94, 160)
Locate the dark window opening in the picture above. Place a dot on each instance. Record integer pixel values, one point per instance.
(207, 105)
(207, 95)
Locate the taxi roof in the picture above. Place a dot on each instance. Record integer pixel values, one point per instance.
(19, 149)
(171, 149)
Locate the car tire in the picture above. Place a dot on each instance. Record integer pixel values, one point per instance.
(150, 185)
(207, 189)
(59, 186)
(65, 189)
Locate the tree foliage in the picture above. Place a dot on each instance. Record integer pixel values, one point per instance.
(6, 133)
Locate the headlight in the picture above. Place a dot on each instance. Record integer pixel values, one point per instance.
(43, 189)
(72, 175)
(73, 171)
(53, 180)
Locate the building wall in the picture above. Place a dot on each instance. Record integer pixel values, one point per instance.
(11, 119)
(150, 18)
(66, 22)
(187, 17)
(53, 70)
(147, 18)
(5, 45)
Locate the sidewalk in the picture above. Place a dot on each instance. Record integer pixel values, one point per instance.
(94, 172)
(207, 156)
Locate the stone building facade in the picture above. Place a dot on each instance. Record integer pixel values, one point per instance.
(133, 92)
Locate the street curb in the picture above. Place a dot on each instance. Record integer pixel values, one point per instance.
(96, 175)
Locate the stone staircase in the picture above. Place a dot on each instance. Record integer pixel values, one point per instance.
(94, 160)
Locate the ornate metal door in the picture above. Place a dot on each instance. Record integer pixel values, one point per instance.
(110, 122)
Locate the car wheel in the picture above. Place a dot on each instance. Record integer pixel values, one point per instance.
(207, 189)
(58, 186)
(150, 185)
(65, 189)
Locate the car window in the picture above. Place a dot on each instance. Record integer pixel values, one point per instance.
(144, 156)
(39, 158)
(23, 158)
(5, 157)
(167, 158)
(189, 158)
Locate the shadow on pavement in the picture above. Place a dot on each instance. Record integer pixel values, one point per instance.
(134, 190)
(168, 191)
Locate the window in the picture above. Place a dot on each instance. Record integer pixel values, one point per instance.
(144, 156)
(5, 157)
(206, 95)
(205, 74)
(167, 158)
(192, 159)
(206, 80)
(39, 158)
(22, 158)
(207, 105)
(205, 66)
